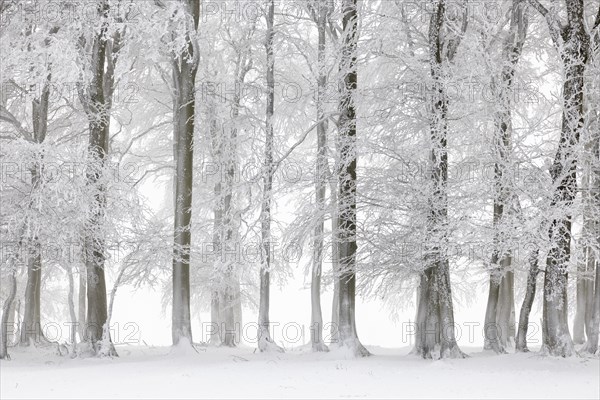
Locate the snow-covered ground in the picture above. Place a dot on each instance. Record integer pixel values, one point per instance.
(160, 372)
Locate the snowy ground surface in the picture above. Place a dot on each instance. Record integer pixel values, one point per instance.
(160, 372)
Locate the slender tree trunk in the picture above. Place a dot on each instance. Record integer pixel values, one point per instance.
(492, 341)
(586, 267)
(335, 266)
(346, 229)
(521, 342)
(81, 306)
(6, 310)
(230, 307)
(322, 171)
(573, 44)
(591, 345)
(265, 342)
(185, 67)
(71, 302)
(435, 314)
(31, 330)
(499, 318)
(505, 320)
(593, 257)
(97, 102)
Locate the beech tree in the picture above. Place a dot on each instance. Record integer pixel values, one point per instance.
(347, 156)
(185, 66)
(572, 42)
(435, 314)
(499, 319)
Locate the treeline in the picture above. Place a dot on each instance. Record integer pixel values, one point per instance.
(154, 143)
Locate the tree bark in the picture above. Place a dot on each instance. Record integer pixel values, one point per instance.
(498, 328)
(347, 154)
(435, 314)
(71, 303)
(185, 67)
(6, 310)
(97, 101)
(31, 329)
(226, 307)
(521, 342)
(81, 306)
(320, 16)
(572, 43)
(265, 342)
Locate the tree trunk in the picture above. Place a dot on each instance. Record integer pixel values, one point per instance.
(6, 310)
(81, 306)
(586, 267)
(593, 257)
(573, 52)
(71, 302)
(98, 103)
(591, 345)
(185, 67)
(265, 343)
(499, 318)
(521, 342)
(335, 266)
(347, 246)
(505, 319)
(435, 314)
(31, 329)
(316, 327)
(227, 310)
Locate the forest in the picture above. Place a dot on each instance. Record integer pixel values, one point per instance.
(416, 154)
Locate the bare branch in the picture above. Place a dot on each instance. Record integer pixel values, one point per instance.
(7, 116)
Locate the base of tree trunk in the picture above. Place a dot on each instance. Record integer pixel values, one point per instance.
(319, 347)
(438, 353)
(266, 345)
(354, 347)
(565, 349)
(38, 340)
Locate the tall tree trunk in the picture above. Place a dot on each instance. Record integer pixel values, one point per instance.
(335, 266)
(265, 342)
(586, 266)
(320, 16)
(227, 310)
(435, 314)
(346, 229)
(7, 307)
(31, 330)
(505, 319)
(593, 256)
(81, 306)
(71, 303)
(572, 43)
(521, 342)
(97, 101)
(185, 67)
(498, 328)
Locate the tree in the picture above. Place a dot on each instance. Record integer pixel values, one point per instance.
(346, 229)
(265, 342)
(500, 307)
(321, 14)
(185, 66)
(100, 53)
(521, 340)
(435, 314)
(226, 297)
(572, 42)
